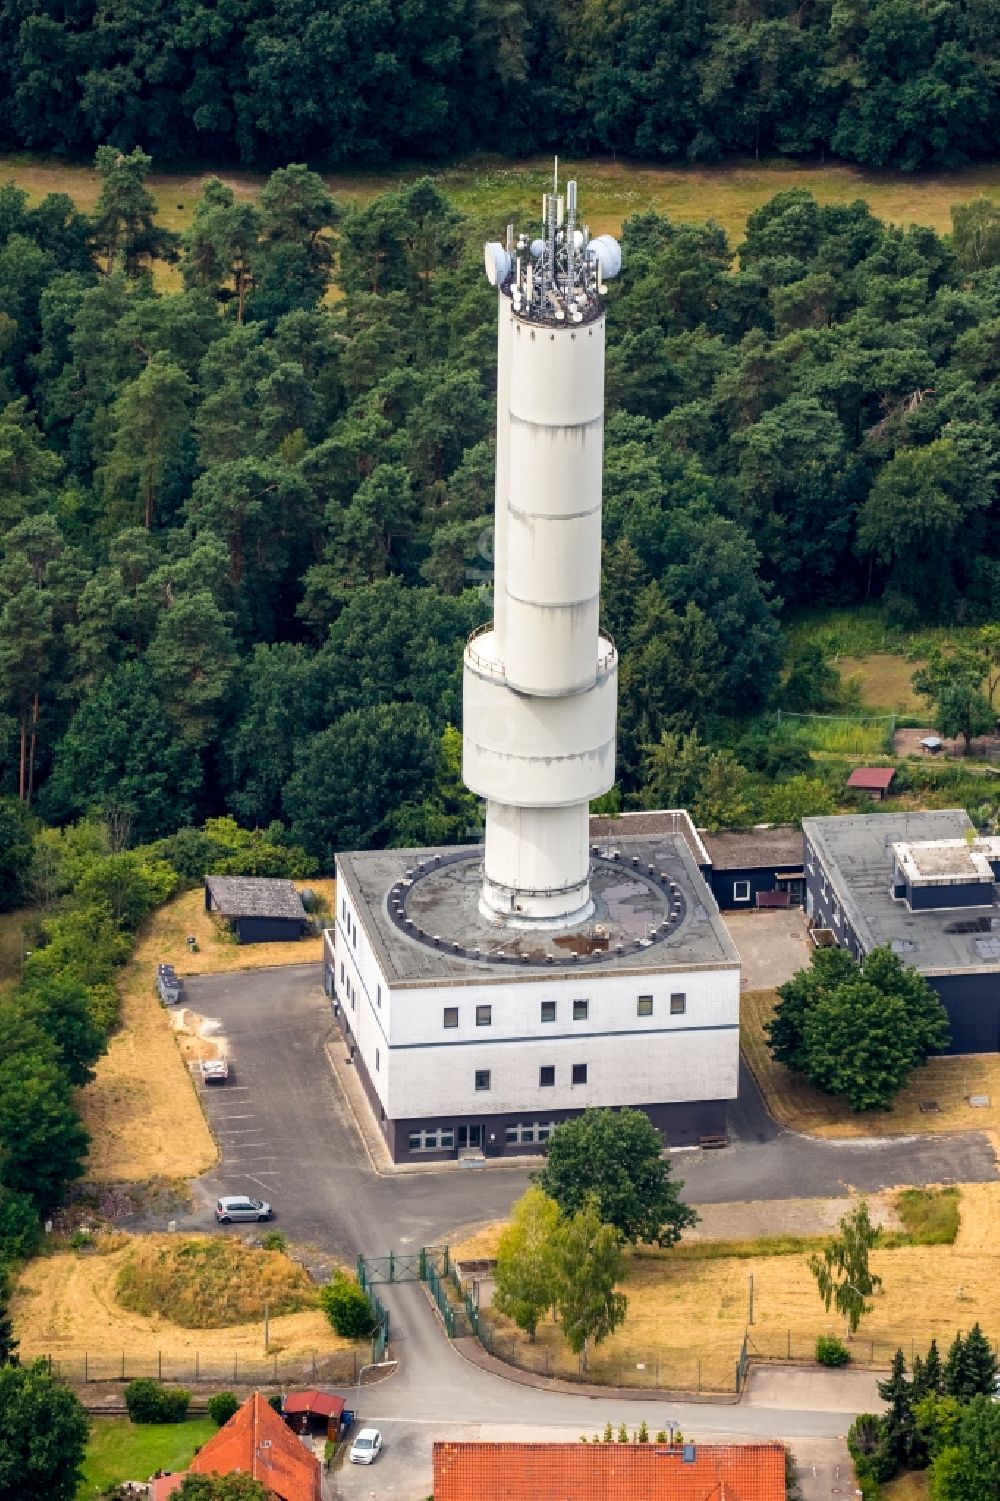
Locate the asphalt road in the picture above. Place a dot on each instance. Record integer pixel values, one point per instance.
(286, 1135)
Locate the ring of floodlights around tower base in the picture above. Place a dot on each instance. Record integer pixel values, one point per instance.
(599, 940)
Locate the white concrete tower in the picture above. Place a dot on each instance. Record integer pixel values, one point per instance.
(541, 682)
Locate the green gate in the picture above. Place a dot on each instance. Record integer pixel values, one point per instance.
(398, 1266)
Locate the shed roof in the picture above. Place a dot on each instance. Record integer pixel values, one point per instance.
(325, 1404)
(255, 896)
(608, 1472)
(777, 845)
(872, 778)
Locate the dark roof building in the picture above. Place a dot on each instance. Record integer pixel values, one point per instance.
(925, 884)
(259, 910)
(609, 1472)
(759, 867)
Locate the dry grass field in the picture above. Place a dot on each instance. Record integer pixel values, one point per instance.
(66, 1303)
(688, 1313)
(885, 681)
(210, 1282)
(142, 1110)
(946, 1082)
(611, 189)
(906, 1488)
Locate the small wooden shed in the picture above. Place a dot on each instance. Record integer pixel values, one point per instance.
(258, 909)
(875, 780)
(313, 1412)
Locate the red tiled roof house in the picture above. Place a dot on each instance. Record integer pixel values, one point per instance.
(609, 1472)
(257, 1442)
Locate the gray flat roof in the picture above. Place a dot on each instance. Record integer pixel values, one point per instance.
(445, 902)
(856, 852)
(753, 849)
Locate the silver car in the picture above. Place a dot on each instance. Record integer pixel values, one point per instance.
(239, 1207)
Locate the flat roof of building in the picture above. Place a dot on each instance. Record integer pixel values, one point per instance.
(652, 915)
(857, 854)
(755, 849)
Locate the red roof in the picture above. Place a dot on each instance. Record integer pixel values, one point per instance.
(325, 1404)
(609, 1472)
(872, 778)
(256, 1441)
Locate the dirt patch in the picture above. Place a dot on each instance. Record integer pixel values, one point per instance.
(66, 1304)
(935, 1100)
(907, 743)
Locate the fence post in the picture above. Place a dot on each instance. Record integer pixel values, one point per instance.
(197, 1365)
(423, 1263)
(314, 1364)
(86, 1376)
(699, 1373)
(789, 1344)
(392, 1266)
(159, 1365)
(123, 1365)
(236, 1362)
(276, 1370)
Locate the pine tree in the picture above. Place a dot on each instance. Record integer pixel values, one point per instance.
(979, 1365)
(933, 1374)
(898, 1421)
(952, 1375)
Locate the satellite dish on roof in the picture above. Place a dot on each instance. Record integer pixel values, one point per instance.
(497, 263)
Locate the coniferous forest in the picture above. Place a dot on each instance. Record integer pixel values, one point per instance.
(246, 515)
(880, 82)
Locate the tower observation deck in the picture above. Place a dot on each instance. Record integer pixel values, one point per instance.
(540, 681)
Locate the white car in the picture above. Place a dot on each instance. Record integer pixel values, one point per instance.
(365, 1449)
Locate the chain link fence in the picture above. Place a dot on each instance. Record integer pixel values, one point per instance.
(339, 1368)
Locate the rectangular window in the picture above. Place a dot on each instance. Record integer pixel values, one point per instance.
(378, 1060)
(431, 1141)
(447, 1138)
(548, 1011)
(545, 1130)
(644, 1006)
(341, 971)
(547, 1075)
(451, 1016)
(741, 891)
(378, 995)
(512, 1135)
(581, 1010)
(678, 1003)
(484, 1016)
(482, 1078)
(579, 1073)
(354, 935)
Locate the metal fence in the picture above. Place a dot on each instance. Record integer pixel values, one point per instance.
(865, 1350)
(337, 1368)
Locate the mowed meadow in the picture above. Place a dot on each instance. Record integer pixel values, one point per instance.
(492, 189)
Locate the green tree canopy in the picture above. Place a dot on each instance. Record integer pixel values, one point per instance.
(43, 1435)
(615, 1157)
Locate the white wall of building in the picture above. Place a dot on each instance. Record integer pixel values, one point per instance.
(420, 1067)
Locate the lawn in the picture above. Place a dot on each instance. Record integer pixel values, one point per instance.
(687, 1314)
(885, 681)
(142, 1109)
(119, 1450)
(946, 1082)
(494, 190)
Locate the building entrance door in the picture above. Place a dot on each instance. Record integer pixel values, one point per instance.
(469, 1136)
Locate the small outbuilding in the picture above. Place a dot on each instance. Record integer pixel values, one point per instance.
(313, 1412)
(258, 910)
(759, 867)
(875, 780)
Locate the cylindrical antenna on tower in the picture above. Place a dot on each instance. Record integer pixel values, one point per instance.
(570, 240)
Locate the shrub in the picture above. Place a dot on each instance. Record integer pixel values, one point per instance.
(276, 1400)
(873, 1459)
(832, 1351)
(274, 1240)
(222, 1407)
(148, 1401)
(346, 1305)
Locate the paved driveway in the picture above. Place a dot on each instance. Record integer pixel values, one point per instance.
(286, 1135)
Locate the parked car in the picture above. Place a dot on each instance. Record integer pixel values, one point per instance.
(365, 1449)
(214, 1070)
(238, 1207)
